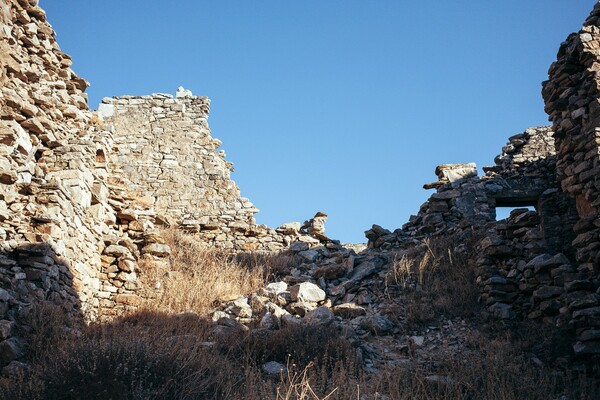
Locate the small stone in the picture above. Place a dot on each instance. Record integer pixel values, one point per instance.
(274, 368)
(589, 335)
(349, 310)
(106, 110)
(157, 249)
(127, 265)
(377, 324)
(319, 316)
(297, 247)
(544, 262)
(183, 93)
(16, 369)
(273, 289)
(546, 292)
(290, 320)
(307, 292)
(331, 271)
(6, 329)
(587, 348)
(269, 322)
(9, 350)
(309, 255)
(417, 340)
(240, 308)
(118, 251)
(4, 295)
(217, 315)
(289, 228)
(300, 308)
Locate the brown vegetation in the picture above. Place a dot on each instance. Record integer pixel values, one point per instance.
(199, 278)
(171, 354)
(434, 279)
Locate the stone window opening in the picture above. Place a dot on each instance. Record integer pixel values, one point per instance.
(503, 212)
(100, 156)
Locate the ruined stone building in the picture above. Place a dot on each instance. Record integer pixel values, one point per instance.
(82, 193)
(542, 263)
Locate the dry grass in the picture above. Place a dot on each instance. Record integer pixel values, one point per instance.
(152, 355)
(158, 356)
(162, 355)
(434, 279)
(199, 278)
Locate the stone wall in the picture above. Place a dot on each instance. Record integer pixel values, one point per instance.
(544, 264)
(572, 99)
(517, 275)
(78, 210)
(163, 146)
(45, 181)
(69, 231)
(523, 176)
(528, 266)
(81, 193)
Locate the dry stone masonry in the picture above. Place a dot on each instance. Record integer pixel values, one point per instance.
(82, 194)
(572, 100)
(61, 209)
(529, 265)
(541, 264)
(79, 203)
(163, 146)
(523, 176)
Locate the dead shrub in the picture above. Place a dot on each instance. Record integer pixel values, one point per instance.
(142, 356)
(300, 345)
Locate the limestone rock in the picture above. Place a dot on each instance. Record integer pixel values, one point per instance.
(274, 368)
(319, 316)
(10, 350)
(349, 310)
(307, 292)
(157, 249)
(377, 324)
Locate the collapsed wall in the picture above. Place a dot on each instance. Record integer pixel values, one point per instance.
(523, 176)
(529, 265)
(80, 194)
(541, 263)
(163, 147)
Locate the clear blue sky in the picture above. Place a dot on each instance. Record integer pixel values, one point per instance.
(337, 106)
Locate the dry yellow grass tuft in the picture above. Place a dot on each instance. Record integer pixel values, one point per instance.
(199, 278)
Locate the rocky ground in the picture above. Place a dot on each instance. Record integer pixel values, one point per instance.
(409, 308)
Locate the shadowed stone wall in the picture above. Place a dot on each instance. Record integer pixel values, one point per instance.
(572, 97)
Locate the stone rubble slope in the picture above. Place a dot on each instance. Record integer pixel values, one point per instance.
(353, 295)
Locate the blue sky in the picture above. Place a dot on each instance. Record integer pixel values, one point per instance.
(337, 106)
